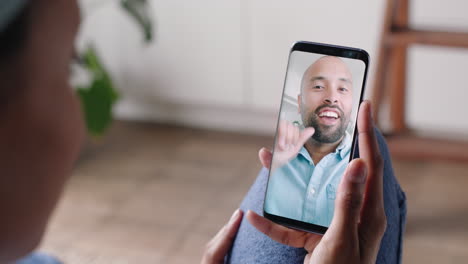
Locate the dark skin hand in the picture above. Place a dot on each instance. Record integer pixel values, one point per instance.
(219, 245)
(359, 222)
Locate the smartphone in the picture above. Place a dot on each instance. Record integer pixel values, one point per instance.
(316, 133)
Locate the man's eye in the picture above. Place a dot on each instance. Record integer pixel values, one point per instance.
(342, 89)
(317, 87)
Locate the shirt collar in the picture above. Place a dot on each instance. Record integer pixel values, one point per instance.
(303, 152)
(343, 148)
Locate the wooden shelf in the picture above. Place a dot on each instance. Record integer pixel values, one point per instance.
(389, 85)
(427, 37)
(414, 147)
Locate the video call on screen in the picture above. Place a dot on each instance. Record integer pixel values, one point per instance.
(314, 136)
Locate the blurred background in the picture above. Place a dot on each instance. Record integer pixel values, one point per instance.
(197, 103)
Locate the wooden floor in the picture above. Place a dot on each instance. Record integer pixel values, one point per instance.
(156, 194)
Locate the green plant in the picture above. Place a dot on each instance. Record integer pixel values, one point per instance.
(99, 96)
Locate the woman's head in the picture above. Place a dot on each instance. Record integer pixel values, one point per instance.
(36, 49)
(41, 124)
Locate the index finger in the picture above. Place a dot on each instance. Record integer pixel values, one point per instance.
(283, 235)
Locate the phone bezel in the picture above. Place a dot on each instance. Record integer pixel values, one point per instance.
(331, 50)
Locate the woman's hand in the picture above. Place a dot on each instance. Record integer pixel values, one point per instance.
(359, 221)
(218, 247)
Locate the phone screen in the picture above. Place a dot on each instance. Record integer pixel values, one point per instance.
(315, 133)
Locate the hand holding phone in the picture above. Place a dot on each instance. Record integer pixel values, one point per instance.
(359, 224)
(316, 134)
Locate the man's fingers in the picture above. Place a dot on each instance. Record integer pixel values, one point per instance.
(265, 157)
(306, 134)
(282, 134)
(288, 136)
(281, 234)
(291, 134)
(296, 135)
(350, 197)
(218, 247)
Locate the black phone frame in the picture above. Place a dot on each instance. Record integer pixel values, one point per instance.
(330, 50)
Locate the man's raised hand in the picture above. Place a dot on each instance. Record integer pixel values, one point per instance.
(289, 141)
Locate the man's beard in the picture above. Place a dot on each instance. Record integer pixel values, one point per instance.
(326, 134)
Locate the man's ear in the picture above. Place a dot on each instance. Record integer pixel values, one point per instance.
(299, 101)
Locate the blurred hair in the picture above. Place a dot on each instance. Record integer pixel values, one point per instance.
(12, 38)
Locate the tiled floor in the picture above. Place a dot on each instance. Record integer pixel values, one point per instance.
(157, 194)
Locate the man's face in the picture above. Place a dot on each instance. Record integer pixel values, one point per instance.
(326, 98)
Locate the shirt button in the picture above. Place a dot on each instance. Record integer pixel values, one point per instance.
(312, 191)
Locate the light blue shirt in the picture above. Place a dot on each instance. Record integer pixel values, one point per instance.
(304, 191)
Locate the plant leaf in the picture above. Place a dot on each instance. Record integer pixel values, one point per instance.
(138, 9)
(97, 99)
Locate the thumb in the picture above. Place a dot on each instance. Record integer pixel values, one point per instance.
(219, 246)
(350, 196)
(307, 133)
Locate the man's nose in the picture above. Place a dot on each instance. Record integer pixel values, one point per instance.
(331, 98)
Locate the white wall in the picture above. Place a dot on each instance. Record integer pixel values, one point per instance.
(221, 64)
(437, 86)
(275, 25)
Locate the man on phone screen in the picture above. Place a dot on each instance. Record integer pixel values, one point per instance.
(308, 163)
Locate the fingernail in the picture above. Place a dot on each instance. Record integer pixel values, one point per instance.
(234, 215)
(358, 172)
